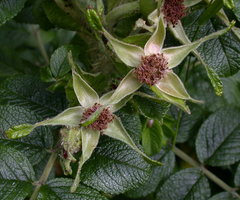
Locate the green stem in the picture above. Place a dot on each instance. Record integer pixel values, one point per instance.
(209, 174)
(121, 11)
(178, 126)
(41, 45)
(44, 176)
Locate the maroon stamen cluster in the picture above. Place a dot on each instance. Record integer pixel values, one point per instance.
(103, 119)
(173, 11)
(151, 69)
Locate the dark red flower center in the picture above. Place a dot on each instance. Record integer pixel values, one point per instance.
(151, 69)
(103, 119)
(173, 10)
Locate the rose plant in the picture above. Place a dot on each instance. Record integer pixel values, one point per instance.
(94, 105)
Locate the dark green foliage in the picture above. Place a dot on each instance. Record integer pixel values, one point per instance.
(36, 84)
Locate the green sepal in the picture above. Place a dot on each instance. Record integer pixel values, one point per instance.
(127, 86)
(181, 103)
(155, 43)
(117, 131)
(128, 53)
(86, 95)
(175, 55)
(90, 140)
(19, 131)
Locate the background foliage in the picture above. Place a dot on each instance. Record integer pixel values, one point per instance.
(35, 83)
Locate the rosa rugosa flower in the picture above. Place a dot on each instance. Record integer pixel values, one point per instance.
(83, 125)
(153, 65)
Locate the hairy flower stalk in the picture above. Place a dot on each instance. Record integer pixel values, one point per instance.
(173, 10)
(153, 64)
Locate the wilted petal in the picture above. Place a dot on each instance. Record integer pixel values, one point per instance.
(175, 55)
(86, 95)
(155, 42)
(69, 117)
(128, 53)
(90, 140)
(127, 86)
(181, 103)
(172, 85)
(117, 131)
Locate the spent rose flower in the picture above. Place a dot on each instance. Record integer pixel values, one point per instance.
(153, 65)
(83, 125)
(173, 11)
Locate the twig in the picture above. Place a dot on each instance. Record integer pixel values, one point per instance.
(44, 176)
(41, 45)
(209, 174)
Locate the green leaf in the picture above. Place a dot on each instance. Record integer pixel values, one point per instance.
(59, 61)
(223, 196)
(236, 10)
(138, 39)
(128, 53)
(33, 145)
(179, 33)
(23, 99)
(237, 176)
(217, 141)
(199, 87)
(157, 176)
(58, 17)
(188, 184)
(59, 189)
(19, 131)
(14, 165)
(30, 92)
(215, 80)
(117, 131)
(189, 124)
(9, 9)
(231, 89)
(90, 140)
(130, 119)
(153, 138)
(211, 11)
(114, 168)
(150, 108)
(120, 12)
(14, 190)
(147, 6)
(221, 54)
